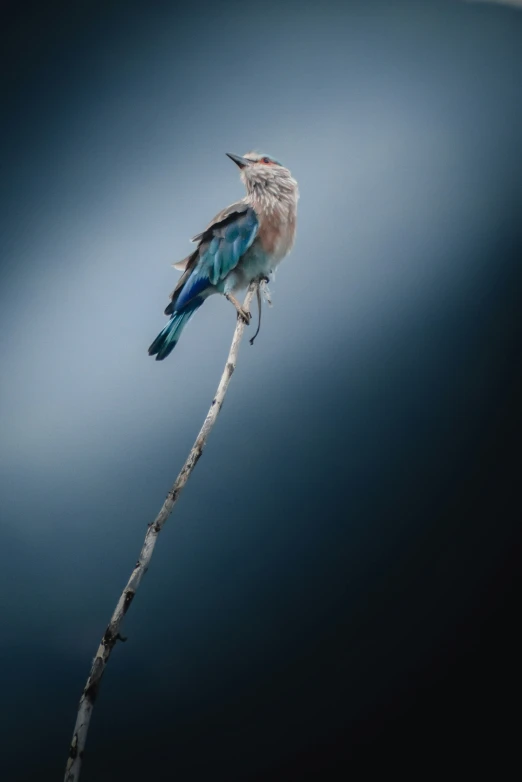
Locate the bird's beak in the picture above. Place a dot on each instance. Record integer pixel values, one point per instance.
(239, 161)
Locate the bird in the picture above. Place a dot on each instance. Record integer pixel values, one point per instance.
(243, 243)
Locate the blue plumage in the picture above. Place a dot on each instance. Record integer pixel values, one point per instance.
(220, 248)
(168, 337)
(195, 286)
(219, 251)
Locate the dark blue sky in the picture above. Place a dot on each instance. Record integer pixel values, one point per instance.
(335, 585)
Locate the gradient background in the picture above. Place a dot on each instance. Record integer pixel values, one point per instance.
(336, 587)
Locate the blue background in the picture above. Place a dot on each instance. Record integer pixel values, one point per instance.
(336, 586)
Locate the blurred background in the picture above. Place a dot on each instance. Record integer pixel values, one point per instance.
(335, 591)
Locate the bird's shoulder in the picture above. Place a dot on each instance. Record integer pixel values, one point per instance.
(239, 211)
(226, 216)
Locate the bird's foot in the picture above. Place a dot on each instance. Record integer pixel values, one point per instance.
(245, 315)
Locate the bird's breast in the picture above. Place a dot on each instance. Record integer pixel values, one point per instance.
(276, 235)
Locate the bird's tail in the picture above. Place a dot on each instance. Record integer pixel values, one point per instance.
(168, 337)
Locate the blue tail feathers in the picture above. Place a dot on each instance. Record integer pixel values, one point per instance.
(168, 337)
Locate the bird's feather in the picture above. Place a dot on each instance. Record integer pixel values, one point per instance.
(181, 265)
(230, 212)
(168, 337)
(221, 245)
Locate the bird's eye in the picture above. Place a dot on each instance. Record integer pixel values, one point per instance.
(266, 160)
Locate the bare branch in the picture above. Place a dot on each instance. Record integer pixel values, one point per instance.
(112, 633)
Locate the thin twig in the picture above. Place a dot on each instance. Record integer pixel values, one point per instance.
(112, 633)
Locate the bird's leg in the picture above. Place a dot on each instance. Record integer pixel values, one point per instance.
(241, 313)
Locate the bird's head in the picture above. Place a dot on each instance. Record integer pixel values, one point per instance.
(259, 171)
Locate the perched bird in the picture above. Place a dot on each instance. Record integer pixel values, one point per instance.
(244, 242)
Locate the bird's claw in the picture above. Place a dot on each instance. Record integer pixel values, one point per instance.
(245, 316)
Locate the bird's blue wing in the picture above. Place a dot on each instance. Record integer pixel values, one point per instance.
(221, 246)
